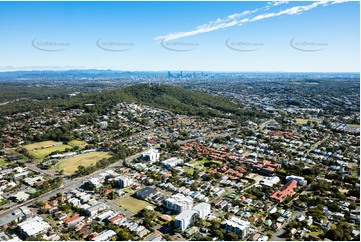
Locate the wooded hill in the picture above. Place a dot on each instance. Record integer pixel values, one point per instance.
(168, 97)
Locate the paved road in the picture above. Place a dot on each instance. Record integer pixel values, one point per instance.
(315, 145)
(264, 124)
(275, 236)
(33, 167)
(69, 184)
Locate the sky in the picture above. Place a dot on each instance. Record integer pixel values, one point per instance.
(294, 36)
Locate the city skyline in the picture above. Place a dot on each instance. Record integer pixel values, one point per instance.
(296, 36)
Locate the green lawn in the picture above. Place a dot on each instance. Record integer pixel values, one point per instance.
(317, 234)
(354, 125)
(79, 143)
(40, 150)
(132, 204)
(304, 121)
(42, 153)
(2, 162)
(39, 145)
(190, 171)
(70, 165)
(198, 162)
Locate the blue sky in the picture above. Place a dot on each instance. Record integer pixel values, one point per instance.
(206, 36)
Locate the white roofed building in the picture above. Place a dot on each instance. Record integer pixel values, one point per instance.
(178, 203)
(301, 181)
(203, 209)
(238, 226)
(152, 155)
(172, 162)
(184, 219)
(33, 227)
(106, 235)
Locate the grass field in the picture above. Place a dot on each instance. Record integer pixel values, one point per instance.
(2, 162)
(318, 233)
(38, 152)
(304, 121)
(70, 165)
(132, 204)
(130, 190)
(354, 125)
(190, 171)
(79, 143)
(42, 153)
(39, 145)
(198, 162)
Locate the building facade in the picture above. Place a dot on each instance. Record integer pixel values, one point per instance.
(178, 203)
(184, 219)
(203, 209)
(124, 181)
(238, 226)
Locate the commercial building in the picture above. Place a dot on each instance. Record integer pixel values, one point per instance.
(33, 227)
(124, 181)
(286, 190)
(301, 181)
(270, 181)
(171, 162)
(17, 215)
(183, 220)
(203, 209)
(151, 155)
(94, 210)
(178, 203)
(106, 235)
(238, 226)
(146, 193)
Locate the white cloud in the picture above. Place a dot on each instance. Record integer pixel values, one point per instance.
(289, 11)
(229, 21)
(340, 1)
(276, 3)
(240, 18)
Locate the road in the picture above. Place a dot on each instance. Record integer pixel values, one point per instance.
(33, 167)
(275, 236)
(69, 184)
(264, 124)
(315, 145)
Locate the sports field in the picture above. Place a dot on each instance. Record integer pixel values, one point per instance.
(40, 150)
(40, 145)
(70, 165)
(304, 121)
(132, 204)
(42, 153)
(79, 143)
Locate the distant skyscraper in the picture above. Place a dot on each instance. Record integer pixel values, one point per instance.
(181, 74)
(169, 75)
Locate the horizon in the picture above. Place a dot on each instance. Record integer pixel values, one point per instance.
(291, 37)
(185, 71)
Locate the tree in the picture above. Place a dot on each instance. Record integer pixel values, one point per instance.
(124, 234)
(232, 236)
(334, 234)
(215, 225)
(218, 233)
(147, 223)
(40, 204)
